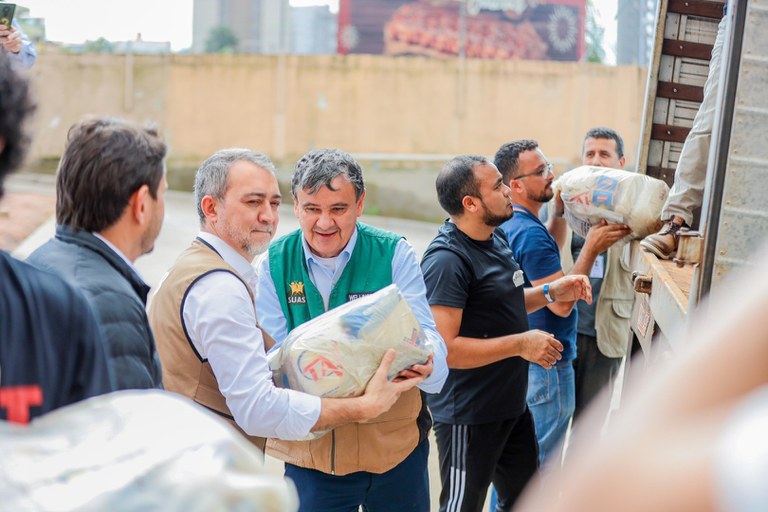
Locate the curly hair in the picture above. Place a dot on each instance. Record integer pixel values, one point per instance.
(15, 107)
(319, 167)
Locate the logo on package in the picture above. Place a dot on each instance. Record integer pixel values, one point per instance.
(358, 295)
(319, 368)
(296, 295)
(413, 340)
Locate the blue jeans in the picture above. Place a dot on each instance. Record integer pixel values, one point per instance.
(404, 488)
(552, 400)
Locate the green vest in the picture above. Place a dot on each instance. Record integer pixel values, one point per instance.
(368, 270)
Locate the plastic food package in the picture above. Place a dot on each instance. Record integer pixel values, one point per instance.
(135, 450)
(591, 194)
(336, 353)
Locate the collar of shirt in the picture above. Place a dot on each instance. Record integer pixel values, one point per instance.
(119, 253)
(230, 256)
(527, 212)
(323, 275)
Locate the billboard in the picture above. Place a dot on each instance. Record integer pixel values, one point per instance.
(484, 29)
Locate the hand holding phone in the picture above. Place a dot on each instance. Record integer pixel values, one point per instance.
(6, 15)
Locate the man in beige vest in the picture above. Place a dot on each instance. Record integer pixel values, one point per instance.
(603, 328)
(204, 318)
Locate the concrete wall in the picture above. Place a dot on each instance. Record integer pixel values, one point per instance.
(363, 104)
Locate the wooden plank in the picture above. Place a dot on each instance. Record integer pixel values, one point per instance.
(665, 174)
(669, 133)
(682, 277)
(701, 8)
(680, 48)
(680, 91)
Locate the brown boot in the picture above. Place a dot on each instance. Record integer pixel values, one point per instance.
(664, 243)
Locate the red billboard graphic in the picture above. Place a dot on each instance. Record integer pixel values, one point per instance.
(484, 29)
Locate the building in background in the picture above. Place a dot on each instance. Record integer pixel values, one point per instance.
(142, 47)
(313, 30)
(635, 25)
(260, 26)
(482, 29)
(33, 27)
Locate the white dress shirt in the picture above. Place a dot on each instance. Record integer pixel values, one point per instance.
(324, 272)
(221, 322)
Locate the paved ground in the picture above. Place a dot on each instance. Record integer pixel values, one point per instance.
(30, 203)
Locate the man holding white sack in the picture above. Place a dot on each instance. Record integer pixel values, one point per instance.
(551, 393)
(603, 326)
(204, 320)
(380, 464)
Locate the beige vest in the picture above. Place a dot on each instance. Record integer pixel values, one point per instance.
(614, 303)
(375, 446)
(184, 372)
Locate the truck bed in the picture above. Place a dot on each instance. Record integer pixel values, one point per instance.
(667, 306)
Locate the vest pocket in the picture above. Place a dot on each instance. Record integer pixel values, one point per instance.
(622, 307)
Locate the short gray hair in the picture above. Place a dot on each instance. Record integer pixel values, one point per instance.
(319, 167)
(211, 177)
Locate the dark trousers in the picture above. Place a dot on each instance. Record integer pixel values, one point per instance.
(404, 488)
(593, 372)
(473, 456)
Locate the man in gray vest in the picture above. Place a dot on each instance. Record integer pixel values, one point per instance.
(381, 464)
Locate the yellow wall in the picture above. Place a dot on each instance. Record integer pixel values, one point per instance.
(362, 104)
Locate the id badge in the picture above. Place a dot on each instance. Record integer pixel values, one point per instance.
(517, 278)
(598, 269)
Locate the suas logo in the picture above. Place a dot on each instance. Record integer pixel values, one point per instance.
(296, 294)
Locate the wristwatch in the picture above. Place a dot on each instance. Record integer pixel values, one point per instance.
(546, 293)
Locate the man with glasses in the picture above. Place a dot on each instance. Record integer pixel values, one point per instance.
(551, 395)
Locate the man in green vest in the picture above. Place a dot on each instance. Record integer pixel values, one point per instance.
(204, 320)
(332, 259)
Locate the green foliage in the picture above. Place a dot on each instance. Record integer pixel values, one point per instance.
(221, 39)
(100, 45)
(593, 35)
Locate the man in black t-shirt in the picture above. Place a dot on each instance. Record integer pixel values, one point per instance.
(483, 428)
(51, 353)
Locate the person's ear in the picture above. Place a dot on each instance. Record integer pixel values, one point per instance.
(359, 205)
(515, 185)
(209, 205)
(138, 204)
(470, 203)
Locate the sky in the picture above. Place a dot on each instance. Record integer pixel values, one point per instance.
(77, 21)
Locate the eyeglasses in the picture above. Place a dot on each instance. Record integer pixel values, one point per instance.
(547, 169)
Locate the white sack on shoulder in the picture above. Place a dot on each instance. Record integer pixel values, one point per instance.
(591, 194)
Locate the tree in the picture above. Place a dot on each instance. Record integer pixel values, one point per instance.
(594, 34)
(101, 45)
(221, 39)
